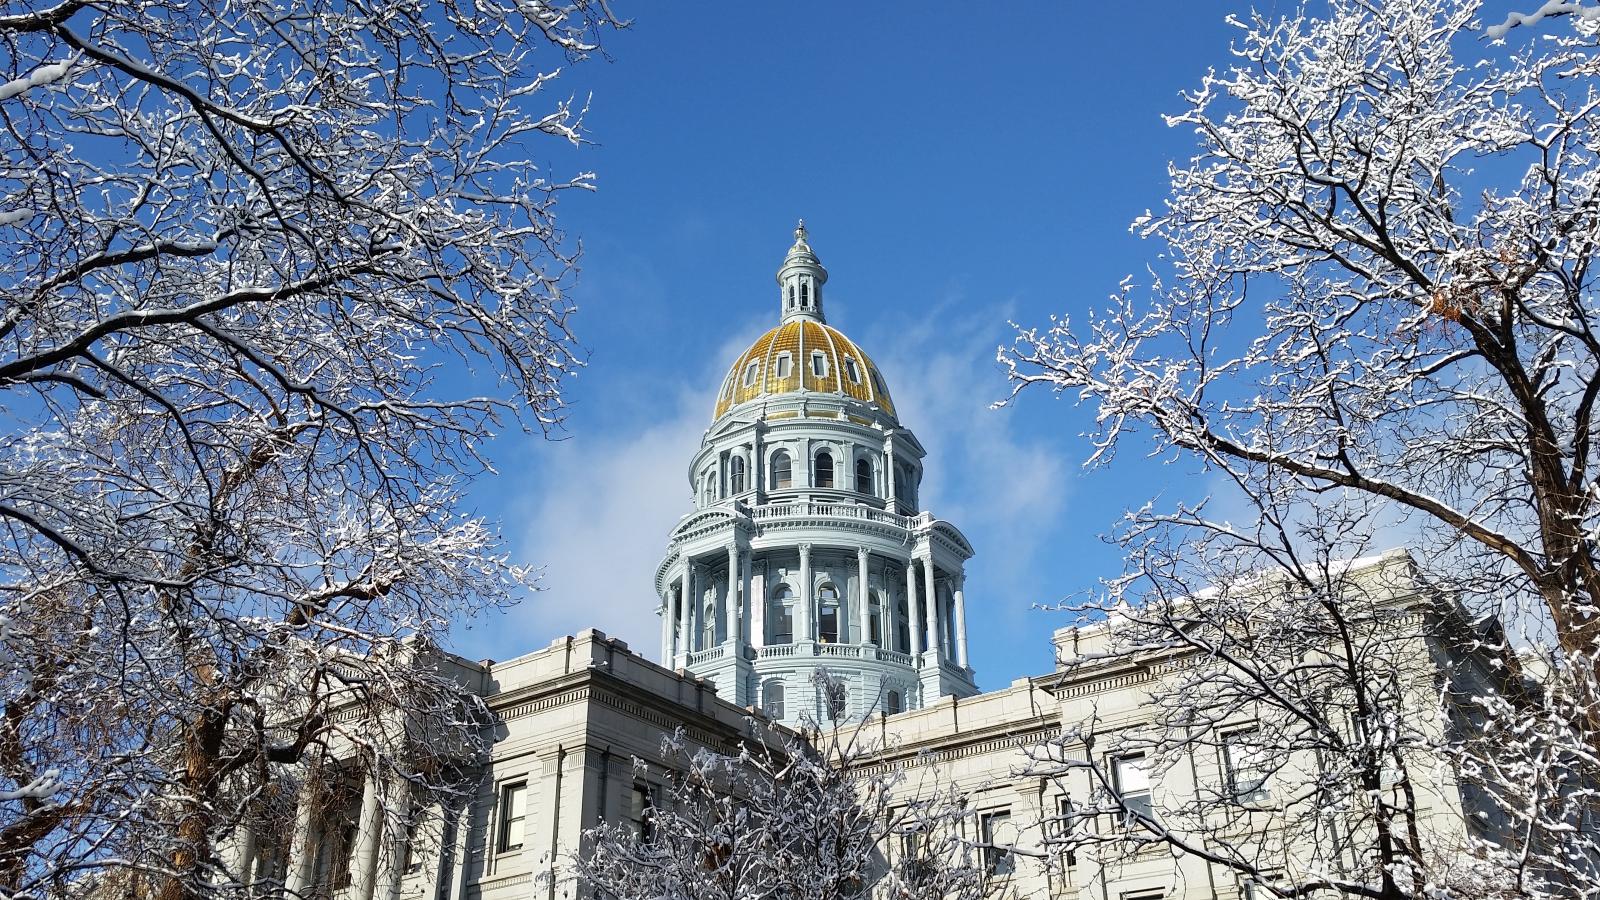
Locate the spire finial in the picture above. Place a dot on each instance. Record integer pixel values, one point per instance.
(801, 278)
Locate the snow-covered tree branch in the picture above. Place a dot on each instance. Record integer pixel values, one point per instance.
(799, 815)
(272, 274)
(1374, 323)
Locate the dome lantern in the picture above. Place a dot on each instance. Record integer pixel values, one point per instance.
(800, 280)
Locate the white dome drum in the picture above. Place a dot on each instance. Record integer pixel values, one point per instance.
(807, 550)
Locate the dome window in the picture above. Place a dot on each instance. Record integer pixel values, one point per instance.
(781, 618)
(851, 370)
(736, 475)
(822, 470)
(819, 364)
(828, 626)
(751, 371)
(863, 477)
(782, 364)
(782, 473)
(772, 699)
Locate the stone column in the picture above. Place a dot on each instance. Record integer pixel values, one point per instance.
(931, 608)
(387, 884)
(241, 854)
(303, 844)
(758, 610)
(888, 474)
(913, 621)
(746, 601)
(961, 622)
(804, 598)
(696, 609)
(667, 627)
(684, 617)
(731, 604)
(863, 596)
(369, 831)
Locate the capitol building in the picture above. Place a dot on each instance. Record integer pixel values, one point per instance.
(807, 549)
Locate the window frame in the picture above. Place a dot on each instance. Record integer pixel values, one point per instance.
(782, 605)
(1119, 766)
(1233, 768)
(829, 604)
(782, 365)
(819, 364)
(787, 470)
(510, 790)
(736, 475)
(751, 372)
(817, 471)
(868, 486)
(773, 710)
(997, 861)
(852, 369)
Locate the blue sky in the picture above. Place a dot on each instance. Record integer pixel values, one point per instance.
(959, 167)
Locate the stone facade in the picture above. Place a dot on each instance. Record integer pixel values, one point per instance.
(786, 566)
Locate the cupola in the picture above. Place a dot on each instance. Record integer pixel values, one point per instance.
(800, 279)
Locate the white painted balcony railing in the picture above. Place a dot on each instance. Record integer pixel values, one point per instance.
(707, 655)
(798, 508)
(847, 651)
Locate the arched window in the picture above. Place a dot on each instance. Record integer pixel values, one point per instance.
(736, 475)
(875, 620)
(863, 477)
(708, 490)
(781, 618)
(772, 699)
(828, 624)
(782, 477)
(822, 472)
(791, 294)
(902, 629)
(891, 703)
(805, 293)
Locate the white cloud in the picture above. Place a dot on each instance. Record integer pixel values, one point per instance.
(595, 511)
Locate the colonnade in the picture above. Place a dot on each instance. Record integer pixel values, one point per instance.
(684, 624)
(373, 860)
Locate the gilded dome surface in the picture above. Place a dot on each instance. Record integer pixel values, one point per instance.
(787, 359)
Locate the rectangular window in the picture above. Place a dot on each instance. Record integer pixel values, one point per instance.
(994, 829)
(750, 373)
(783, 625)
(830, 625)
(513, 813)
(1062, 826)
(783, 365)
(819, 364)
(851, 370)
(1243, 765)
(641, 812)
(1130, 775)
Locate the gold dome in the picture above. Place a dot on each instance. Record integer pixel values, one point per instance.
(778, 361)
